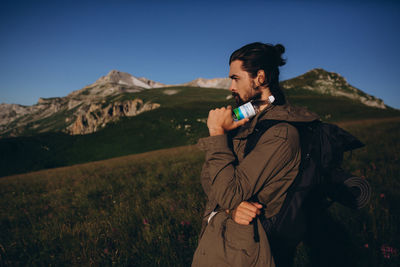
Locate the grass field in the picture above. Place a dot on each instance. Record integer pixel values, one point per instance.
(145, 209)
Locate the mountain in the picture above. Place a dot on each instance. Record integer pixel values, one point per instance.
(221, 83)
(108, 119)
(9, 112)
(116, 95)
(82, 111)
(330, 83)
(316, 80)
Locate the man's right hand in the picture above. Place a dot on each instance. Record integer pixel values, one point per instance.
(220, 121)
(246, 212)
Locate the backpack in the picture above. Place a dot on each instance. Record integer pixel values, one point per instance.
(320, 180)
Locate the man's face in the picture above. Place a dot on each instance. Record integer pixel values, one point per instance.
(242, 85)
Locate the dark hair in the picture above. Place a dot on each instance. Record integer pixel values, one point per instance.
(259, 56)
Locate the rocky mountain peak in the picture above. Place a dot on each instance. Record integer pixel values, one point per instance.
(83, 111)
(114, 83)
(122, 78)
(331, 83)
(321, 74)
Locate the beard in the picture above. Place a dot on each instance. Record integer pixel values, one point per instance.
(240, 101)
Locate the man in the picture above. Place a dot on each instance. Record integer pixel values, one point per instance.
(241, 186)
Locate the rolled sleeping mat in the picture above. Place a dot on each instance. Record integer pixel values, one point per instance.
(352, 192)
(361, 191)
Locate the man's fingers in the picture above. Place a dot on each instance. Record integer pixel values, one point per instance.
(240, 123)
(247, 209)
(242, 218)
(246, 212)
(222, 118)
(252, 206)
(257, 205)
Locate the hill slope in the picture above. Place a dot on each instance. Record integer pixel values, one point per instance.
(330, 83)
(179, 120)
(146, 209)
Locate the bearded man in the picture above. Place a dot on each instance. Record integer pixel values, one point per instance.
(243, 186)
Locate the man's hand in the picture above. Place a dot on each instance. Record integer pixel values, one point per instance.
(220, 121)
(246, 212)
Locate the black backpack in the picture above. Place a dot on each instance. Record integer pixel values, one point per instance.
(319, 182)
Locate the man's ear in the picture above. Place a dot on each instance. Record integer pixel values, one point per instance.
(260, 76)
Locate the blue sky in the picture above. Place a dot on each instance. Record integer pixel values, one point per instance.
(51, 48)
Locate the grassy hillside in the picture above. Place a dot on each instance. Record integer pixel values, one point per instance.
(136, 210)
(335, 109)
(145, 210)
(179, 121)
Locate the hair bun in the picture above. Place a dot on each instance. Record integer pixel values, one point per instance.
(280, 49)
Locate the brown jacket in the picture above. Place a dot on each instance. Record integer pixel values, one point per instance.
(228, 178)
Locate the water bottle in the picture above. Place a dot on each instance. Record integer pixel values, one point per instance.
(250, 109)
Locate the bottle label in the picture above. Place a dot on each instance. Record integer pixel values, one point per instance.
(244, 111)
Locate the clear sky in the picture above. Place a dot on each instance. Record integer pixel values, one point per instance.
(51, 48)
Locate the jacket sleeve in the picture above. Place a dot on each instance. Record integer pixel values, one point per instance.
(276, 153)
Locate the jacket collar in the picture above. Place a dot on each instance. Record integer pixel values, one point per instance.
(248, 128)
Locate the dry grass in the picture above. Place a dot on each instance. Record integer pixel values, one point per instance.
(145, 209)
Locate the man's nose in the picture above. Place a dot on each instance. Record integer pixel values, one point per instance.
(231, 87)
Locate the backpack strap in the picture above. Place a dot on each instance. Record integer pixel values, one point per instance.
(298, 187)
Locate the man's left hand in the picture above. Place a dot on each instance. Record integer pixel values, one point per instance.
(246, 212)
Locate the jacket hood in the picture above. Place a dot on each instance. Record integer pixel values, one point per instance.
(287, 113)
(283, 113)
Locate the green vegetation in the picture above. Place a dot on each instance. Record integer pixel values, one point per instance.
(55, 122)
(138, 210)
(310, 78)
(336, 109)
(145, 209)
(179, 121)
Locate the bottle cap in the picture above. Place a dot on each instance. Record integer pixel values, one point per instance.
(271, 99)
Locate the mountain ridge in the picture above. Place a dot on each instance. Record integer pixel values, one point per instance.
(331, 83)
(89, 109)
